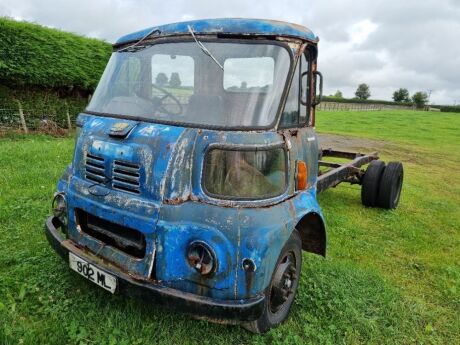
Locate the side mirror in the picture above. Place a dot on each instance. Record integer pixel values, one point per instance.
(318, 93)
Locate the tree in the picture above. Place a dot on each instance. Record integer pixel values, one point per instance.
(420, 99)
(363, 91)
(338, 94)
(401, 95)
(174, 80)
(161, 79)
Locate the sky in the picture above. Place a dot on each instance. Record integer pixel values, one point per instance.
(388, 44)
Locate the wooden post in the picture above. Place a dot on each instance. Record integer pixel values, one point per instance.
(21, 117)
(69, 123)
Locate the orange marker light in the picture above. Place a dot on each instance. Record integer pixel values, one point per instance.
(302, 175)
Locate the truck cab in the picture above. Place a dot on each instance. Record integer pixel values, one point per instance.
(194, 176)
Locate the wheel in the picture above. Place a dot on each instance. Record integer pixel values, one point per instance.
(280, 293)
(371, 183)
(390, 186)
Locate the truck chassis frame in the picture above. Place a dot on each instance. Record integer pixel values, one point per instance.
(337, 173)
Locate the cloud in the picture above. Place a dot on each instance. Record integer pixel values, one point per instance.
(385, 43)
(359, 32)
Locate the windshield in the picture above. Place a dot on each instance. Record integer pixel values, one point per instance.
(178, 82)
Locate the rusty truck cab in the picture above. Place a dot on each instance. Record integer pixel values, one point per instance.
(193, 181)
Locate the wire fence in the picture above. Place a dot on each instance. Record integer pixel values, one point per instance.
(60, 120)
(45, 120)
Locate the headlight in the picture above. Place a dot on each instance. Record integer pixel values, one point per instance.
(246, 173)
(60, 207)
(201, 257)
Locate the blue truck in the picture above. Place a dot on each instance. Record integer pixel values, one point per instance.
(196, 169)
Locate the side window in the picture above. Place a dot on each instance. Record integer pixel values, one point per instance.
(245, 174)
(290, 115)
(305, 88)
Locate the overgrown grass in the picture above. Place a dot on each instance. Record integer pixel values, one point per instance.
(390, 276)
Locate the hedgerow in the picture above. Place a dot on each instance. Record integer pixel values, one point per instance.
(449, 108)
(36, 56)
(50, 72)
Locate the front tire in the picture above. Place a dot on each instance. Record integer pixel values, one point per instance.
(281, 291)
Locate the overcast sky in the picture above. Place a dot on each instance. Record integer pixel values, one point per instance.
(386, 43)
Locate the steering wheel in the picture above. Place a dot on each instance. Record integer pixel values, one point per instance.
(167, 95)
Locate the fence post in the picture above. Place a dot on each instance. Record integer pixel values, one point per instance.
(21, 117)
(69, 123)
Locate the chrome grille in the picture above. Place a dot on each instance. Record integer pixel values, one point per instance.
(125, 176)
(94, 168)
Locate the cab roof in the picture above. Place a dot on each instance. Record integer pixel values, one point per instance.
(230, 26)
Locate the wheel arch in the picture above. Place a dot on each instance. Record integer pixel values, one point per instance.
(312, 231)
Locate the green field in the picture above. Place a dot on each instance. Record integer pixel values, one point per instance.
(389, 277)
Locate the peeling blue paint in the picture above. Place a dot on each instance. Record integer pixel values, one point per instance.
(234, 26)
(172, 210)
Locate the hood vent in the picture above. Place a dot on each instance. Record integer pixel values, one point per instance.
(94, 168)
(125, 176)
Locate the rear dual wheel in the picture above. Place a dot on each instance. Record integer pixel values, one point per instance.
(390, 186)
(381, 185)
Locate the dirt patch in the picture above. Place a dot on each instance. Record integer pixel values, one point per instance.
(340, 142)
(399, 152)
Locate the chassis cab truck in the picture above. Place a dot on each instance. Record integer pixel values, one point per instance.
(196, 169)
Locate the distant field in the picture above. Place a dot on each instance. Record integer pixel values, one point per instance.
(389, 276)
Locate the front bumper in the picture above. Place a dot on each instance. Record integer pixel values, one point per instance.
(229, 310)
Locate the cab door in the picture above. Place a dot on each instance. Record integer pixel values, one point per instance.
(297, 118)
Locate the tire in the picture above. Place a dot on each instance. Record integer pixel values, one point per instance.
(391, 185)
(276, 309)
(371, 183)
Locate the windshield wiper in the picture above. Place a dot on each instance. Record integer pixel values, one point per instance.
(203, 48)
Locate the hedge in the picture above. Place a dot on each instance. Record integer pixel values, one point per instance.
(366, 101)
(36, 56)
(448, 108)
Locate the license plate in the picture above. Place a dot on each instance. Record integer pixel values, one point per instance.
(91, 272)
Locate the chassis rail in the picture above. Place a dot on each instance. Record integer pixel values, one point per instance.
(342, 172)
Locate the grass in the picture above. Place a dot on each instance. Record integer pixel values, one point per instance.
(390, 276)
